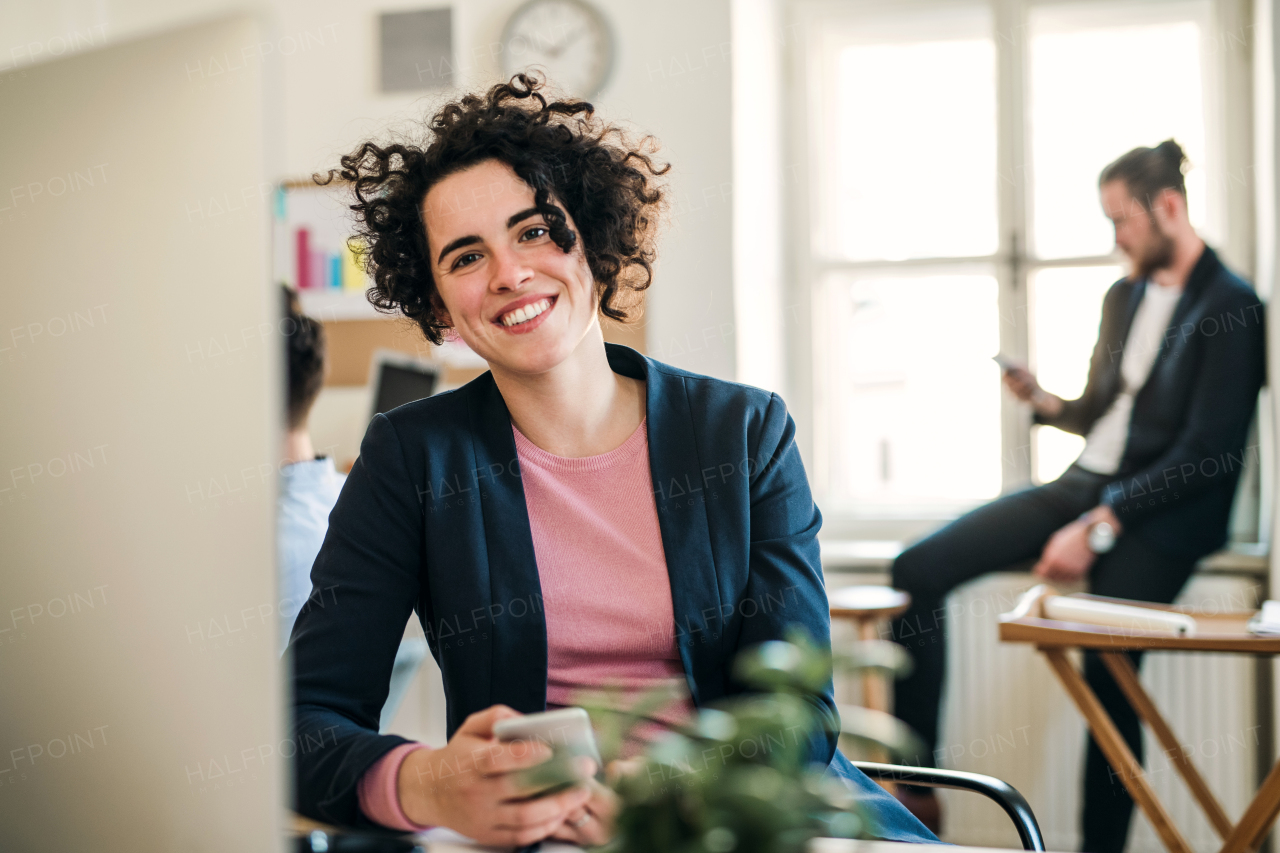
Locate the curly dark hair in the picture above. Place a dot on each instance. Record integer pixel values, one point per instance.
(566, 155)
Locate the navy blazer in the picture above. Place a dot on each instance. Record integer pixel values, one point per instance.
(1186, 443)
(432, 518)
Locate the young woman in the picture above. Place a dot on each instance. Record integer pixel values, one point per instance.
(578, 516)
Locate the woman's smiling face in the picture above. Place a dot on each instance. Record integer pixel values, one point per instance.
(519, 301)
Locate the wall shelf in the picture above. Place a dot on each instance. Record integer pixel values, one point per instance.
(331, 305)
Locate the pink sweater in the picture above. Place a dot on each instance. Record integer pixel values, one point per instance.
(605, 589)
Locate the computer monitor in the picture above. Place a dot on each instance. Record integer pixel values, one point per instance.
(143, 699)
(397, 378)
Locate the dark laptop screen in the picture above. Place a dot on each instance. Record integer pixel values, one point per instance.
(399, 384)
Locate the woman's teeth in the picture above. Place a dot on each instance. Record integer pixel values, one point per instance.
(526, 313)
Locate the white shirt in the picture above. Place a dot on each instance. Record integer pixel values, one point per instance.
(1104, 446)
(308, 491)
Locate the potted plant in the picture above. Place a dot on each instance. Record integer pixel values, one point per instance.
(735, 778)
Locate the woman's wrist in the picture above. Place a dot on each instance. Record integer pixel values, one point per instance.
(414, 788)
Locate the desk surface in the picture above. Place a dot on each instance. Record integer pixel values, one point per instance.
(1215, 632)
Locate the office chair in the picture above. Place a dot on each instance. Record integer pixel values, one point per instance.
(1005, 795)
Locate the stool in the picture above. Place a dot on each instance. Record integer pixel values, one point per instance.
(867, 607)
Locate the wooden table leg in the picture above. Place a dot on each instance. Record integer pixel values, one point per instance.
(1127, 677)
(1258, 819)
(1116, 750)
(875, 695)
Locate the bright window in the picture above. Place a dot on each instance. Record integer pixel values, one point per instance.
(896, 101)
(887, 388)
(1066, 307)
(1093, 98)
(948, 221)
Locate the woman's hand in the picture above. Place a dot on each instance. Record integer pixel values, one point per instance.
(591, 825)
(471, 786)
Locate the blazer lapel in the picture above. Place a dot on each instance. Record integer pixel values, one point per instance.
(682, 514)
(1201, 274)
(518, 669)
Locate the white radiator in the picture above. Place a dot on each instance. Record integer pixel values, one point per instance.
(1006, 715)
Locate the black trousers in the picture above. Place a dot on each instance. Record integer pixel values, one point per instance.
(1005, 534)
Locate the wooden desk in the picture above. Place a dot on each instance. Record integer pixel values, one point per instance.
(1225, 632)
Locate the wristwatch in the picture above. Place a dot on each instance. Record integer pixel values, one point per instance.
(1102, 537)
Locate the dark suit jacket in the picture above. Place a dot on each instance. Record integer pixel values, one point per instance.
(1186, 444)
(432, 518)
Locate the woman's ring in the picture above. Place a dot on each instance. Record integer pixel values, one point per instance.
(580, 822)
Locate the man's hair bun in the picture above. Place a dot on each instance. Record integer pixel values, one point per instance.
(1173, 153)
(1147, 172)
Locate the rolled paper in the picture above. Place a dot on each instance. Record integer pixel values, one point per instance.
(1065, 608)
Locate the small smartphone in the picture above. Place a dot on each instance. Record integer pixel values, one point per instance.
(1006, 363)
(567, 729)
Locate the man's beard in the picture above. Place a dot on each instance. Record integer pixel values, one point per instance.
(1157, 255)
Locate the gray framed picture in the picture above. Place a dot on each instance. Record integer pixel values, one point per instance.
(416, 50)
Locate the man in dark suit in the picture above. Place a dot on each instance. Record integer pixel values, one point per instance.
(1172, 386)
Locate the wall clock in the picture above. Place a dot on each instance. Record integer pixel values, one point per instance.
(568, 39)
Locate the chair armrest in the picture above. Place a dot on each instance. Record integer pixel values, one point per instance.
(1004, 794)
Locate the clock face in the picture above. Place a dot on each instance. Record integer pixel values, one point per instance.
(567, 39)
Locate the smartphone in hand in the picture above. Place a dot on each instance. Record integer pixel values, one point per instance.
(1006, 364)
(566, 730)
(562, 729)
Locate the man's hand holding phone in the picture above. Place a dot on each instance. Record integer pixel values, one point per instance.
(473, 785)
(1023, 384)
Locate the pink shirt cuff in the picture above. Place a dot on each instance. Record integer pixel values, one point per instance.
(377, 790)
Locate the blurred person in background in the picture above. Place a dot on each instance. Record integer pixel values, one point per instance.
(1172, 386)
(309, 484)
(309, 487)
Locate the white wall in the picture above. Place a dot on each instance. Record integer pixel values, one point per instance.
(671, 78)
(759, 176)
